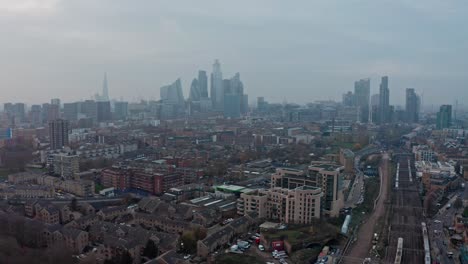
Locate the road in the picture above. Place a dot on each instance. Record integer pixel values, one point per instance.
(439, 237)
(360, 250)
(356, 191)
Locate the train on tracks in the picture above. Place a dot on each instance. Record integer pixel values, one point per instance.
(427, 249)
(399, 252)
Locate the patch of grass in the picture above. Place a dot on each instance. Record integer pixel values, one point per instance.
(319, 232)
(291, 235)
(232, 258)
(4, 173)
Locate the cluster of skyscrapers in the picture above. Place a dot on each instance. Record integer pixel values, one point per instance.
(226, 95)
(377, 108)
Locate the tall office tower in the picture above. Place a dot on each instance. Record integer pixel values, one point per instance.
(195, 94)
(45, 112)
(348, 99)
(227, 86)
(384, 101)
(36, 115)
(203, 84)
(7, 107)
(444, 117)
(105, 89)
(237, 86)
(58, 133)
(55, 101)
(53, 112)
(89, 108)
(172, 93)
(121, 110)
(217, 90)
(412, 106)
(235, 101)
(262, 105)
(104, 111)
(15, 112)
(362, 98)
(71, 111)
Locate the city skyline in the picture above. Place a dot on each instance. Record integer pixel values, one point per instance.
(79, 48)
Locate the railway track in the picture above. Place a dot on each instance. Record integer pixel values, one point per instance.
(405, 216)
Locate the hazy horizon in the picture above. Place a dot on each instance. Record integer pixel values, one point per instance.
(297, 53)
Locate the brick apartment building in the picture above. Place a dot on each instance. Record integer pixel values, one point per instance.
(145, 180)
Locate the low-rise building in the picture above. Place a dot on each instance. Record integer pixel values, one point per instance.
(33, 191)
(66, 165)
(74, 239)
(110, 213)
(299, 206)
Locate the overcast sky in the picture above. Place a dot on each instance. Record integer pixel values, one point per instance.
(295, 51)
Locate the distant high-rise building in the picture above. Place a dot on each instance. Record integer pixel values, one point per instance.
(121, 110)
(235, 101)
(203, 84)
(412, 106)
(348, 99)
(105, 89)
(45, 112)
(195, 94)
(53, 112)
(104, 111)
(362, 98)
(58, 133)
(384, 101)
(375, 98)
(217, 90)
(89, 109)
(232, 105)
(16, 112)
(444, 117)
(71, 111)
(244, 104)
(172, 93)
(36, 115)
(55, 101)
(8, 108)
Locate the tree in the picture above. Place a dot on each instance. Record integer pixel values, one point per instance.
(126, 258)
(200, 233)
(458, 203)
(188, 242)
(465, 212)
(122, 258)
(150, 251)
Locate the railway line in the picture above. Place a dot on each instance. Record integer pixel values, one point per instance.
(406, 243)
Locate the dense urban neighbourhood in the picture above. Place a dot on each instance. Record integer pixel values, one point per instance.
(214, 180)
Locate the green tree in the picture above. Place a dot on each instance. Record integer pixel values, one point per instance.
(465, 212)
(150, 251)
(188, 242)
